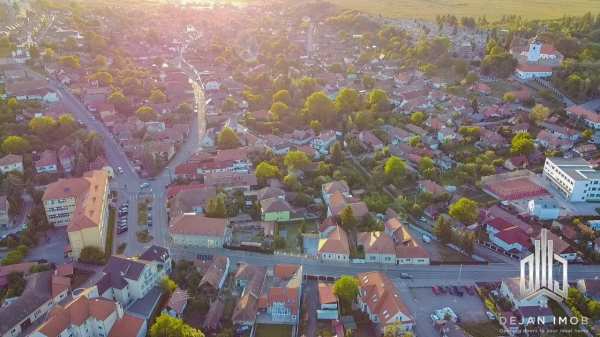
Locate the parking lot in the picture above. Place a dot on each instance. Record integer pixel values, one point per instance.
(421, 301)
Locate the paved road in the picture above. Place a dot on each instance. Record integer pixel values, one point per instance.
(422, 275)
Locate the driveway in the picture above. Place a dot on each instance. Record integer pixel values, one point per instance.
(310, 304)
(51, 248)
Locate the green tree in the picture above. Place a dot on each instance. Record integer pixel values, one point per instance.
(216, 207)
(168, 286)
(278, 110)
(42, 126)
(265, 171)
(117, 98)
(347, 219)
(539, 113)
(346, 289)
(394, 168)
(337, 156)
(104, 77)
(587, 134)
(368, 82)
(34, 52)
(296, 160)
(471, 78)
(229, 105)
(379, 101)
(184, 109)
(464, 210)
(48, 55)
(509, 97)
(92, 255)
(443, 230)
(522, 143)
(347, 101)
(228, 139)
(157, 96)
(168, 326)
(71, 61)
(282, 96)
(319, 107)
(15, 145)
(146, 113)
(418, 117)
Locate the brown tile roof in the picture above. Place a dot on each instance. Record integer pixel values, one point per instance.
(178, 300)
(275, 205)
(336, 186)
(215, 272)
(76, 313)
(326, 295)
(338, 202)
(335, 243)
(285, 271)
(376, 243)
(379, 293)
(213, 317)
(128, 326)
(192, 224)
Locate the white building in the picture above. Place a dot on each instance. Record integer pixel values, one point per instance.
(191, 230)
(544, 209)
(576, 179)
(11, 163)
(511, 290)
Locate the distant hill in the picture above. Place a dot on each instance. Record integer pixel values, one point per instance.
(492, 9)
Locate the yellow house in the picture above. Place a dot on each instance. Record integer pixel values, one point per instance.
(81, 204)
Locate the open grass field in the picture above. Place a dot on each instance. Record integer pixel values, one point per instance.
(492, 9)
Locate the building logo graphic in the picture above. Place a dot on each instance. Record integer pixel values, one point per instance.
(537, 271)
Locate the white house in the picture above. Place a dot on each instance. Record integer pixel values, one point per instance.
(192, 230)
(511, 290)
(11, 163)
(544, 209)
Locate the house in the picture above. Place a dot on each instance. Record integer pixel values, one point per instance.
(328, 189)
(378, 247)
(81, 204)
(589, 117)
(282, 291)
(276, 209)
(177, 303)
(544, 208)
(510, 289)
(562, 248)
(212, 320)
(323, 141)
(191, 200)
(334, 246)
(590, 288)
(229, 181)
(407, 249)
(42, 292)
(4, 207)
(370, 141)
(11, 163)
(379, 298)
(446, 135)
(397, 135)
(47, 163)
(31, 90)
(301, 137)
(90, 317)
(191, 230)
(249, 279)
(431, 187)
(338, 202)
(328, 304)
(214, 278)
(66, 156)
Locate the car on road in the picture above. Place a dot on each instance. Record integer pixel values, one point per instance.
(490, 315)
(470, 290)
(405, 276)
(435, 290)
(120, 170)
(426, 238)
(145, 185)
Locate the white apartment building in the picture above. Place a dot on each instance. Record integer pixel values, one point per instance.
(576, 179)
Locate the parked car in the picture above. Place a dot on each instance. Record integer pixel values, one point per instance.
(470, 290)
(405, 276)
(426, 238)
(442, 289)
(145, 185)
(435, 290)
(490, 315)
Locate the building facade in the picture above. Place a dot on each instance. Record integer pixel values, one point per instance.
(576, 179)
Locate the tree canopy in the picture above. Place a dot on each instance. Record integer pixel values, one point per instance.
(319, 107)
(168, 326)
(347, 101)
(522, 143)
(296, 160)
(146, 113)
(464, 210)
(15, 145)
(265, 171)
(228, 139)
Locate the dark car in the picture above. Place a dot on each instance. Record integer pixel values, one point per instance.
(435, 290)
(442, 289)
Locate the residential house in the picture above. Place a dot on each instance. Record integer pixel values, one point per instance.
(431, 187)
(214, 278)
(47, 163)
(338, 202)
(328, 303)
(66, 156)
(249, 279)
(370, 141)
(11, 163)
(446, 135)
(378, 247)
(589, 117)
(506, 230)
(328, 189)
(560, 247)
(282, 291)
(590, 288)
(42, 292)
(408, 250)
(4, 207)
(334, 246)
(229, 181)
(81, 204)
(301, 137)
(31, 90)
(397, 135)
(379, 298)
(191, 230)
(544, 208)
(276, 209)
(177, 303)
(510, 289)
(324, 141)
(192, 200)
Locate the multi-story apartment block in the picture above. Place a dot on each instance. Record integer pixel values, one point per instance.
(576, 179)
(81, 204)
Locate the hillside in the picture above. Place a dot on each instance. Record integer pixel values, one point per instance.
(492, 9)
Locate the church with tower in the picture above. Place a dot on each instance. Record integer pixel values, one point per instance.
(536, 59)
